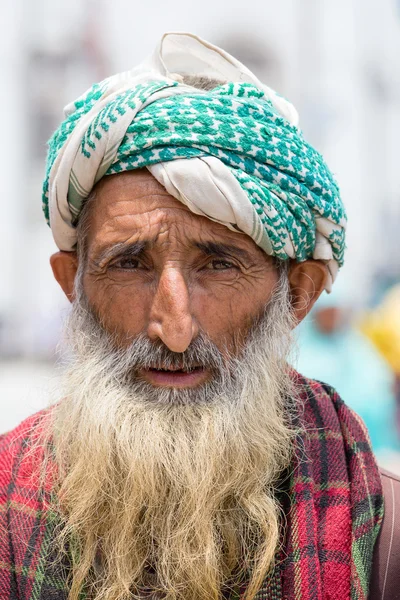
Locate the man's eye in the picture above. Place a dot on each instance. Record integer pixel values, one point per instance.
(126, 263)
(220, 265)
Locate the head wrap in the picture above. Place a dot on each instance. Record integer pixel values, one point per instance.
(233, 154)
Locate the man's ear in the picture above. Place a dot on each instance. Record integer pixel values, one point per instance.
(65, 266)
(307, 281)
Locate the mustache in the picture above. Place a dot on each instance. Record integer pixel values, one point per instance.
(143, 353)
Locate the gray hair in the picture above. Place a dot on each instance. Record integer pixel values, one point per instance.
(202, 82)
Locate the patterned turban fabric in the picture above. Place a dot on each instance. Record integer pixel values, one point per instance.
(233, 154)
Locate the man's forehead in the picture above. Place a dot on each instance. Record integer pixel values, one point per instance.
(135, 207)
(139, 190)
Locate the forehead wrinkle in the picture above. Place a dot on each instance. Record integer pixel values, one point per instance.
(120, 224)
(131, 180)
(161, 232)
(137, 194)
(124, 227)
(141, 205)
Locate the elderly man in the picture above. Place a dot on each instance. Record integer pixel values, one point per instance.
(186, 460)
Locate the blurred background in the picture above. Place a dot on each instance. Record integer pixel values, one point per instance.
(338, 61)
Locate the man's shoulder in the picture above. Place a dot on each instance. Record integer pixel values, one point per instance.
(385, 579)
(16, 443)
(325, 396)
(313, 387)
(323, 407)
(22, 520)
(25, 430)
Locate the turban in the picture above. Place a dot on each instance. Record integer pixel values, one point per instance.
(233, 154)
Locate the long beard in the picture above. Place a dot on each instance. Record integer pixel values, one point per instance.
(171, 493)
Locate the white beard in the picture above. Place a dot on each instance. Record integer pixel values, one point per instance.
(172, 491)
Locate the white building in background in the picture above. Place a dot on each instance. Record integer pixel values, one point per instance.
(337, 60)
(52, 54)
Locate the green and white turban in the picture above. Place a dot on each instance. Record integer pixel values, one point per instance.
(233, 154)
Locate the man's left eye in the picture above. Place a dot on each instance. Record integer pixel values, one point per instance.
(126, 263)
(220, 265)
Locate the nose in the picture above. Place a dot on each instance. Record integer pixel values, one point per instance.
(170, 318)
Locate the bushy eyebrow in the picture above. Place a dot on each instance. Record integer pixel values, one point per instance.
(131, 249)
(222, 250)
(135, 249)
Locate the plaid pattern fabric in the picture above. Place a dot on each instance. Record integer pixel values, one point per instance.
(336, 505)
(333, 518)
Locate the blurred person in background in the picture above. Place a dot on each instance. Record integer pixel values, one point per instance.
(332, 348)
(185, 459)
(382, 327)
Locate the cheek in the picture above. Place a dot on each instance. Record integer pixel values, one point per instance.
(123, 309)
(227, 315)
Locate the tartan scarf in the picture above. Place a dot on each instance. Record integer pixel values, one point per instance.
(333, 517)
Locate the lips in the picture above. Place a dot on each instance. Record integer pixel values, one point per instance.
(176, 369)
(175, 376)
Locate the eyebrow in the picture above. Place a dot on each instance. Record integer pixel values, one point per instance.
(221, 249)
(135, 249)
(130, 249)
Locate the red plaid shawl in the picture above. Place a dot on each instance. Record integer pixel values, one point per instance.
(335, 511)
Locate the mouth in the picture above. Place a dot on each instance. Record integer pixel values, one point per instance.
(175, 377)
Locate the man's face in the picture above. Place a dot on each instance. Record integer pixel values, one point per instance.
(156, 269)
